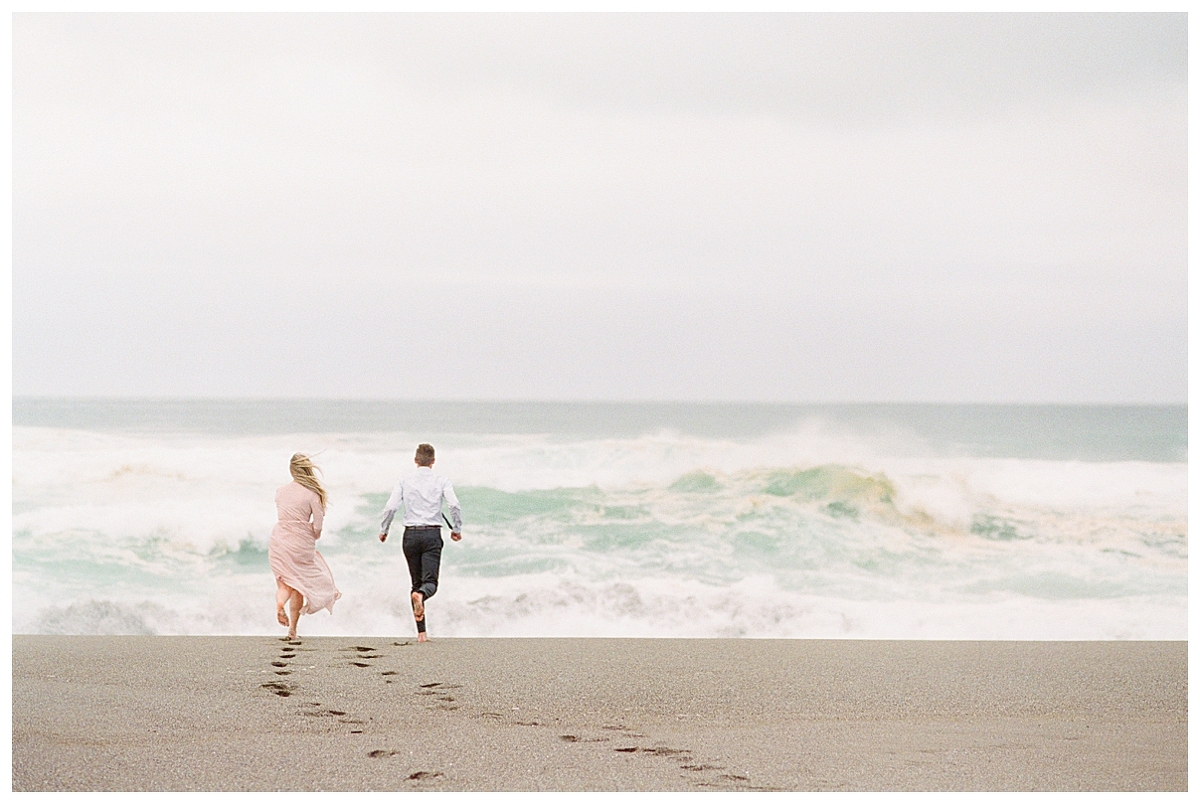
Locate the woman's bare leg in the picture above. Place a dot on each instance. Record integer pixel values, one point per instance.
(295, 601)
(282, 593)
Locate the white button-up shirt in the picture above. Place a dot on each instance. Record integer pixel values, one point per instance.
(421, 495)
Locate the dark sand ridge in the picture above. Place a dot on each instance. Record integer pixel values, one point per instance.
(254, 713)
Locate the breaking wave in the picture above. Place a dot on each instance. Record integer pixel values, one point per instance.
(800, 533)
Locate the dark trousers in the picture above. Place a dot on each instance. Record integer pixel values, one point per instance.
(423, 550)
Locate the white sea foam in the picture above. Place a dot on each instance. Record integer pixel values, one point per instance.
(809, 533)
(561, 607)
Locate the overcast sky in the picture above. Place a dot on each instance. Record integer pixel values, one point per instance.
(789, 208)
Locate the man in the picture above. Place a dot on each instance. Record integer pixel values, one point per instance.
(421, 494)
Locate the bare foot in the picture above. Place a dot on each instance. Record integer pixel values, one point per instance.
(292, 634)
(421, 637)
(281, 616)
(418, 603)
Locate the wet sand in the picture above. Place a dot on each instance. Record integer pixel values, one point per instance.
(256, 713)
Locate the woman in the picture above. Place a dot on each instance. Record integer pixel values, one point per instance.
(304, 582)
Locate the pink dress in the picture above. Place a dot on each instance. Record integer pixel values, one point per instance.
(292, 550)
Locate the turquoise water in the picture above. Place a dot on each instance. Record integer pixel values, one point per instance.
(1051, 432)
(872, 521)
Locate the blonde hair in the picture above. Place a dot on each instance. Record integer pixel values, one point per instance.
(304, 472)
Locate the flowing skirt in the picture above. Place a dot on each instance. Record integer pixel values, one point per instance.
(294, 560)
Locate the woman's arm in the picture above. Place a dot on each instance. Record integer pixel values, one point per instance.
(318, 516)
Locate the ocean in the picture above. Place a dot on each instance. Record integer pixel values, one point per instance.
(609, 519)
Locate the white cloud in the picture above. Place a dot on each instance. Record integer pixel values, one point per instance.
(790, 208)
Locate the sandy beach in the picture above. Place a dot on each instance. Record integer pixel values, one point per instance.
(257, 713)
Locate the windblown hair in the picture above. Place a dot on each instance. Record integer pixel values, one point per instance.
(425, 454)
(304, 472)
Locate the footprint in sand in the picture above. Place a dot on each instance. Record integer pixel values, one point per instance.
(683, 756)
(315, 711)
(362, 651)
(575, 738)
(625, 731)
(279, 688)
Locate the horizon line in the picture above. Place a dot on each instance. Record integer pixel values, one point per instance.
(567, 401)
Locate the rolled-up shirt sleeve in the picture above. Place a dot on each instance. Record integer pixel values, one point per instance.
(455, 508)
(393, 505)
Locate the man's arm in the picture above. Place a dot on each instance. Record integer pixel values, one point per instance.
(389, 511)
(455, 512)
